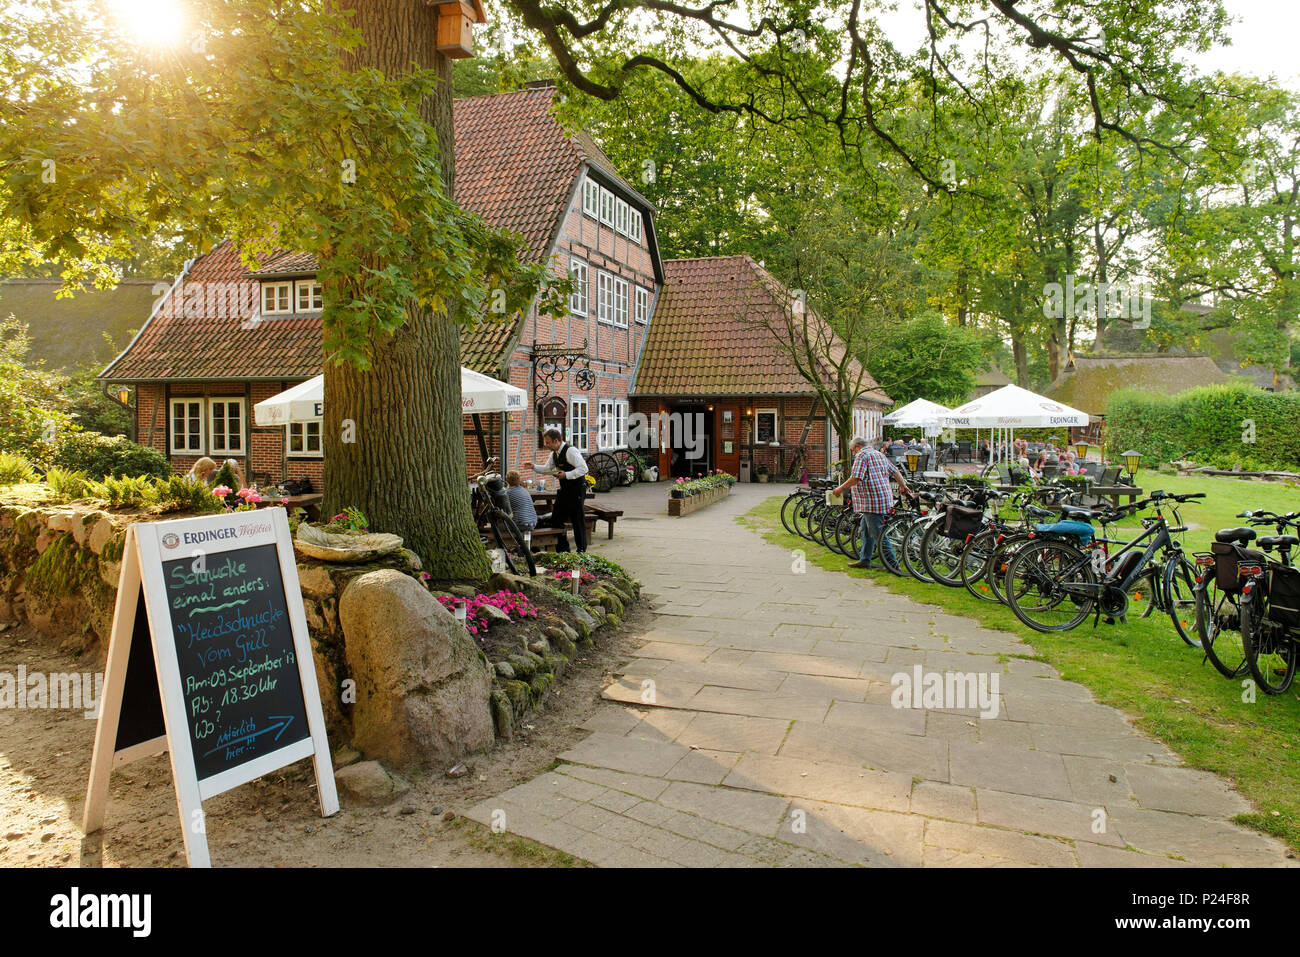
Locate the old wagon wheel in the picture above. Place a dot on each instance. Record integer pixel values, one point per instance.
(606, 469)
(629, 465)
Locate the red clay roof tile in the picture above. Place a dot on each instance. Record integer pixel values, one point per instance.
(708, 336)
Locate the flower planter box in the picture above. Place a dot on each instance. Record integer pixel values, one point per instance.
(692, 503)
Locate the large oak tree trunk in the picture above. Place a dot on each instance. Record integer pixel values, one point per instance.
(405, 464)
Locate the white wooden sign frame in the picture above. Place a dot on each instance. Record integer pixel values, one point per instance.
(142, 568)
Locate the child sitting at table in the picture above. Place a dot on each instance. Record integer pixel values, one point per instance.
(521, 503)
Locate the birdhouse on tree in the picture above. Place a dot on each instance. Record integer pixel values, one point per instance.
(456, 26)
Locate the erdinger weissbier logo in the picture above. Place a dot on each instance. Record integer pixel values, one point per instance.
(171, 540)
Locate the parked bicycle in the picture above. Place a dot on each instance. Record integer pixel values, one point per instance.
(1270, 615)
(1053, 585)
(491, 510)
(1219, 587)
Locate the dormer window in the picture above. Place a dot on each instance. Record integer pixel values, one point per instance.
(277, 298)
(310, 297)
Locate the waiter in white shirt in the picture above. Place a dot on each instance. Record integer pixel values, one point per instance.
(567, 463)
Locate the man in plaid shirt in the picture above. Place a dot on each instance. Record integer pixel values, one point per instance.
(873, 499)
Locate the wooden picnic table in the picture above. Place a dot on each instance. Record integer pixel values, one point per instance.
(546, 497)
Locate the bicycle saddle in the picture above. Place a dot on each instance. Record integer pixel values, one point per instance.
(1239, 534)
(1278, 541)
(1079, 514)
(1037, 512)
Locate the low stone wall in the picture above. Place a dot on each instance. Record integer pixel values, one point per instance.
(522, 682)
(400, 679)
(59, 569)
(693, 503)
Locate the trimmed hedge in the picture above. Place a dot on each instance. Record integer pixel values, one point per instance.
(1213, 425)
(100, 456)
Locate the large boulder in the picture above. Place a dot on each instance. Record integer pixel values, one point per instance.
(422, 684)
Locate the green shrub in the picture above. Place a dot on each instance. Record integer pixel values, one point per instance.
(15, 469)
(571, 560)
(1225, 424)
(101, 455)
(68, 486)
(177, 493)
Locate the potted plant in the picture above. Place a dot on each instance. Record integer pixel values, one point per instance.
(762, 473)
(677, 491)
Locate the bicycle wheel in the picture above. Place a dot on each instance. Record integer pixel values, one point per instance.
(811, 518)
(800, 517)
(1142, 594)
(1270, 652)
(788, 509)
(911, 550)
(1041, 586)
(941, 556)
(1218, 624)
(511, 541)
(830, 518)
(1180, 597)
(894, 531)
(975, 556)
(1000, 561)
(848, 534)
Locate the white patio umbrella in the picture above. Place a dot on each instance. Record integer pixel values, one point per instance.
(918, 414)
(1010, 408)
(305, 401)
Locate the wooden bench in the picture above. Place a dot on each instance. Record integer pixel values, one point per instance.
(607, 515)
(544, 538)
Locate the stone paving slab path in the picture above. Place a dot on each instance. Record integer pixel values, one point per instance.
(754, 727)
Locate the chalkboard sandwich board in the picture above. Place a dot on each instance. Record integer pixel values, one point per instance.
(209, 660)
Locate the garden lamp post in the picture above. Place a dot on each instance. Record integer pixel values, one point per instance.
(913, 461)
(1082, 448)
(1131, 459)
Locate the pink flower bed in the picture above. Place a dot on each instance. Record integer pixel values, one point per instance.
(513, 603)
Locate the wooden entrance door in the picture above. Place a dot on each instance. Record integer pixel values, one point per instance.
(665, 446)
(727, 435)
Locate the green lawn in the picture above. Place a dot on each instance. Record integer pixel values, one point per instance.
(1143, 668)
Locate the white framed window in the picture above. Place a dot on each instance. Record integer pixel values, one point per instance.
(620, 216)
(304, 438)
(277, 298)
(578, 298)
(766, 426)
(591, 197)
(621, 292)
(578, 434)
(226, 425)
(611, 423)
(606, 207)
(187, 426)
(310, 298)
(604, 296)
(633, 224)
(605, 424)
(642, 314)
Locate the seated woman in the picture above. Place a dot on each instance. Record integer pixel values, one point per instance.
(202, 470)
(521, 503)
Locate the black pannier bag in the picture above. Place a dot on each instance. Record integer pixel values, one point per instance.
(1226, 558)
(960, 522)
(1284, 596)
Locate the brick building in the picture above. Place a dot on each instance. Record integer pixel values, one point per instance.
(225, 338)
(711, 354)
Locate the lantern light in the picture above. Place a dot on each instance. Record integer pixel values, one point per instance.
(1131, 459)
(1082, 448)
(913, 461)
